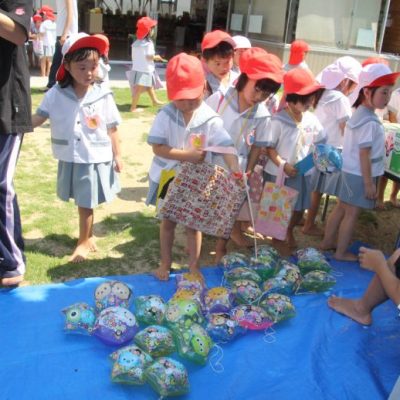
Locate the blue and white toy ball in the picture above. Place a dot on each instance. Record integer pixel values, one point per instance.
(327, 158)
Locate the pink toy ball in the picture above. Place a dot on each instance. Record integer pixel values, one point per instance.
(115, 326)
(112, 294)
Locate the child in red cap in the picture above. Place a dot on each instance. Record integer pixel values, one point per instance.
(217, 48)
(180, 131)
(37, 42)
(84, 136)
(298, 52)
(49, 37)
(293, 132)
(142, 75)
(363, 158)
(247, 119)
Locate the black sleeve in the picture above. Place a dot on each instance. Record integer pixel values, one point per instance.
(20, 11)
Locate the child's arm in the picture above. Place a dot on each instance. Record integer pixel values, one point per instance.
(232, 162)
(192, 155)
(365, 162)
(277, 160)
(116, 148)
(254, 155)
(374, 260)
(37, 120)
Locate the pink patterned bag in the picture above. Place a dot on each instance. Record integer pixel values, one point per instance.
(276, 206)
(204, 197)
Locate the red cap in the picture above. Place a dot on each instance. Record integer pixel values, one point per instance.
(45, 9)
(37, 17)
(298, 50)
(185, 77)
(374, 60)
(300, 81)
(105, 38)
(80, 41)
(50, 15)
(143, 27)
(257, 64)
(214, 38)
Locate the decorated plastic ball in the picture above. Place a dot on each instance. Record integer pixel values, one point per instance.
(317, 281)
(245, 291)
(311, 259)
(183, 312)
(237, 273)
(190, 281)
(150, 309)
(251, 317)
(112, 294)
(129, 364)
(188, 294)
(327, 158)
(218, 299)
(168, 377)
(278, 307)
(79, 318)
(233, 259)
(115, 326)
(222, 327)
(193, 343)
(156, 340)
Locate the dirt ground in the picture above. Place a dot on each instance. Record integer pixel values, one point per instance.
(377, 228)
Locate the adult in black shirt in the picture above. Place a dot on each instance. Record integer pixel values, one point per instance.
(15, 120)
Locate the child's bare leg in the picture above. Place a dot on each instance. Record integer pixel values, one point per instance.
(380, 201)
(42, 66)
(85, 228)
(167, 234)
(310, 228)
(332, 227)
(137, 90)
(220, 249)
(194, 246)
(48, 66)
(345, 233)
(237, 236)
(294, 220)
(153, 97)
(394, 193)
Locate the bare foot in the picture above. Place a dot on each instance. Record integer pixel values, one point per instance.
(250, 231)
(395, 203)
(158, 103)
(162, 273)
(92, 245)
(291, 241)
(219, 253)
(345, 256)
(80, 253)
(380, 206)
(13, 281)
(327, 246)
(135, 110)
(313, 230)
(350, 308)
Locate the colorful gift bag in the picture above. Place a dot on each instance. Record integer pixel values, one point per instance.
(276, 206)
(204, 197)
(256, 184)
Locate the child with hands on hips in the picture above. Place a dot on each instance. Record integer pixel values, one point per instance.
(363, 159)
(384, 285)
(294, 130)
(333, 111)
(85, 141)
(247, 119)
(174, 135)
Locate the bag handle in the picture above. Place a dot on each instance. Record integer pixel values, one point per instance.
(281, 176)
(221, 149)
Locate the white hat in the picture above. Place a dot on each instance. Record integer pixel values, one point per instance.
(241, 42)
(343, 68)
(374, 75)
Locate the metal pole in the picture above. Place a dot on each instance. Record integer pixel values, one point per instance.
(210, 15)
(289, 16)
(383, 27)
(249, 9)
(228, 20)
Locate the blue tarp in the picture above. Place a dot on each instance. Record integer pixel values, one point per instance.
(319, 354)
